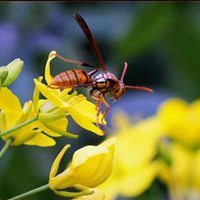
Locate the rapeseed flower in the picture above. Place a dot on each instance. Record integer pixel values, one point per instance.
(182, 175)
(12, 114)
(181, 121)
(77, 106)
(90, 166)
(134, 166)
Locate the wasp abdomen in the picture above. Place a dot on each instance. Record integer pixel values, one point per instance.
(71, 78)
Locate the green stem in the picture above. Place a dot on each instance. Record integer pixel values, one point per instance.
(5, 148)
(18, 126)
(61, 132)
(31, 192)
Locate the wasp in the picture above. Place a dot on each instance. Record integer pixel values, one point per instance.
(100, 84)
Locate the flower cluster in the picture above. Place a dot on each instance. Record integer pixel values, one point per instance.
(165, 146)
(40, 120)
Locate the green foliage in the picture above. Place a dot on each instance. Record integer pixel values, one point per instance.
(152, 24)
(171, 30)
(182, 46)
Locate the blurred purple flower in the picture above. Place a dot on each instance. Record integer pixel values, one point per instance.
(138, 104)
(9, 36)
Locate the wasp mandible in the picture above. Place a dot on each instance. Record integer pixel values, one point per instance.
(101, 84)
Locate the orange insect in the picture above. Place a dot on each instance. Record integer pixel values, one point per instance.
(101, 84)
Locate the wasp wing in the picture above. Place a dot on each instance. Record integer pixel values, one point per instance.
(91, 40)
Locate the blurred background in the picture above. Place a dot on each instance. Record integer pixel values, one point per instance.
(160, 42)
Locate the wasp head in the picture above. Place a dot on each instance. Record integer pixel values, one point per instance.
(120, 88)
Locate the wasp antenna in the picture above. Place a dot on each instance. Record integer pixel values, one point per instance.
(139, 88)
(124, 71)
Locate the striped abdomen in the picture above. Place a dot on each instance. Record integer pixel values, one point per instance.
(71, 79)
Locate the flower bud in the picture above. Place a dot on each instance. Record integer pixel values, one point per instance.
(3, 74)
(9, 73)
(90, 166)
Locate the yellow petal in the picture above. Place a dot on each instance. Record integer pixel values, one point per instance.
(81, 104)
(48, 76)
(56, 162)
(10, 104)
(84, 107)
(137, 182)
(36, 95)
(47, 130)
(3, 123)
(97, 195)
(110, 144)
(79, 118)
(183, 125)
(50, 94)
(196, 171)
(9, 101)
(28, 112)
(41, 140)
(90, 166)
(179, 109)
(133, 143)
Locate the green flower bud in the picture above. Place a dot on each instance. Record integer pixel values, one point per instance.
(9, 73)
(3, 74)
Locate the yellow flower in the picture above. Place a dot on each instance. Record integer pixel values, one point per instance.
(90, 166)
(77, 106)
(9, 73)
(12, 114)
(50, 115)
(133, 168)
(182, 176)
(181, 121)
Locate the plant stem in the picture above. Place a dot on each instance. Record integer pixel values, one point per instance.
(31, 192)
(18, 126)
(5, 148)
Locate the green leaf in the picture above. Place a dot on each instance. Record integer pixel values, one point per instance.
(152, 23)
(182, 46)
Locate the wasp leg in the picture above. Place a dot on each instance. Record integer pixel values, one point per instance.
(107, 108)
(80, 63)
(80, 85)
(97, 97)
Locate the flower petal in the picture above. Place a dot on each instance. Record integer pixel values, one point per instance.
(56, 162)
(50, 94)
(10, 104)
(80, 119)
(139, 181)
(97, 195)
(91, 165)
(41, 140)
(48, 76)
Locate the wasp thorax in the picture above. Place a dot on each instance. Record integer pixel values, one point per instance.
(105, 82)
